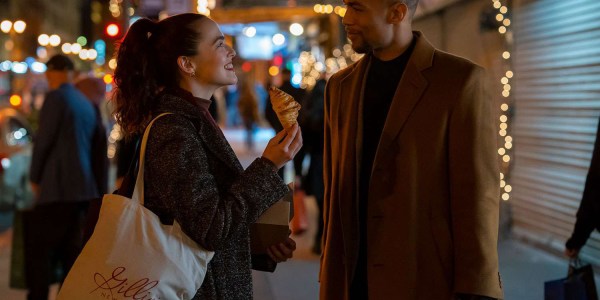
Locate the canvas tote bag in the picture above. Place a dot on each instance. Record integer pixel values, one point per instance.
(132, 255)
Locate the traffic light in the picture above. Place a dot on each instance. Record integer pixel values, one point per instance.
(113, 30)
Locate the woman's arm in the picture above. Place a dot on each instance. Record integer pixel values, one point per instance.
(177, 168)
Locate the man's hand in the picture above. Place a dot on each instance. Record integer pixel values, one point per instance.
(282, 251)
(35, 188)
(572, 253)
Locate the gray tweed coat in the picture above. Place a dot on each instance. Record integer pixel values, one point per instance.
(192, 175)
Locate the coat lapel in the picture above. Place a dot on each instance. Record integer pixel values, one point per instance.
(356, 80)
(407, 96)
(351, 93)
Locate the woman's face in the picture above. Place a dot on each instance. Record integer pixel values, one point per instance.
(214, 61)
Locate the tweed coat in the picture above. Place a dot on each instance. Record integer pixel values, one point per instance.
(192, 175)
(432, 219)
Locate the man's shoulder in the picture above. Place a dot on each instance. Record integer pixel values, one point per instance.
(447, 61)
(64, 93)
(55, 98)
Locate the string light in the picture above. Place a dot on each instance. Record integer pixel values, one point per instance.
(329, 9)
(115, 8)
(504, 152)
(203, 7)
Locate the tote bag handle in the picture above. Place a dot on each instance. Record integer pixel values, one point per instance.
(139, 182)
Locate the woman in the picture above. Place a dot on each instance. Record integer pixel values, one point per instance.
(191, 174)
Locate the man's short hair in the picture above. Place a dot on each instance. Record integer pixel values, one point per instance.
(60, 62)
(412, 5)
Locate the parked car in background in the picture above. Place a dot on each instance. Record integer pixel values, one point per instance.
(15, 158)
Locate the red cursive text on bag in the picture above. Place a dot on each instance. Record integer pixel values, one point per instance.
(138, 290)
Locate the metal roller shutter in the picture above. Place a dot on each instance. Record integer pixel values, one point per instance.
(557, 103)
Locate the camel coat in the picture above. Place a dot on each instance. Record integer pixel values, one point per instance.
(433, 206)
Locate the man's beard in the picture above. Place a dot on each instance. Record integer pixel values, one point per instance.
(362, 48)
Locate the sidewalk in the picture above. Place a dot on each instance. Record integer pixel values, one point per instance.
(524, 269)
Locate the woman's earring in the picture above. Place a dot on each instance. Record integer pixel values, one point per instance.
(193, 74)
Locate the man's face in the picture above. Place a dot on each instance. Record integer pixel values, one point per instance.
(366, 26)
(56, 78)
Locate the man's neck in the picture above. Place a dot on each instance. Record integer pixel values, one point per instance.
(398, 45)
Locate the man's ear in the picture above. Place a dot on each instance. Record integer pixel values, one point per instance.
(185, 65)
(397, 12)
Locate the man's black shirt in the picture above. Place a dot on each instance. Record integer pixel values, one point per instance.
(382, 81)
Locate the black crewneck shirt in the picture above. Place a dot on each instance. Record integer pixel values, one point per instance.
(382, 82)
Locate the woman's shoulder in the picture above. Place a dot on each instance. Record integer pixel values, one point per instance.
(173, 125)
(168, 103)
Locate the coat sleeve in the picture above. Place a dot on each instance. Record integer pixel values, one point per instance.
(177, 164)
(474, 194)
(48, 129)
(588, 215)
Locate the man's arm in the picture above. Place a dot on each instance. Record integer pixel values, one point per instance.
(589, 209)
(474, 195)
(45, 138)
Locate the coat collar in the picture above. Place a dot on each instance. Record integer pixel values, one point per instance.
(410, 89)
(212, 137)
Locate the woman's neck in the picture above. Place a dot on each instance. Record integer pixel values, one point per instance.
(196, 89)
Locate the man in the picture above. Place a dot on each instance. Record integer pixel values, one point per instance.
(61, 178)
(588, 215)
(312, 126)
(411, 177)
(94, 89)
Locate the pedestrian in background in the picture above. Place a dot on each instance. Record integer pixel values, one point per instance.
(312, 124)
(62, 178)
(94, 90)
(248, 107)
(411, 201)
(588, 215)
(191, 174)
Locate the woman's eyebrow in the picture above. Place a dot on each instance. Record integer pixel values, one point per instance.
(220, 38)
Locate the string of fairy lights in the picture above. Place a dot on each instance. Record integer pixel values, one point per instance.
(329, 9)
(504, 150)
(313, 65)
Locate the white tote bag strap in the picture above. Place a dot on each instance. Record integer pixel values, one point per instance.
(139, 182)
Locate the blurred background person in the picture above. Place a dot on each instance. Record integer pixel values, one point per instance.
(95, 91)
(61, 176)
(588, 215)
(231, 95)
(312, 123)
(248, 108)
